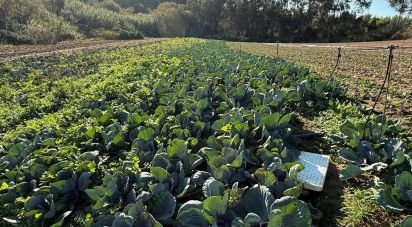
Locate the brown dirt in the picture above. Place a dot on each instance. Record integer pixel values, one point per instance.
(330, 200)
(362, 69)
(14, 52)
(404, 44)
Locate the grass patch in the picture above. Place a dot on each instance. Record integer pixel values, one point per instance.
(338, 111)
(358, 205)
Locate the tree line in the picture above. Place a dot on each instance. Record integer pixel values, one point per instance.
(50, 21)
(290, 20)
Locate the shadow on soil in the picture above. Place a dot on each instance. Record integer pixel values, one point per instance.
(330, 200)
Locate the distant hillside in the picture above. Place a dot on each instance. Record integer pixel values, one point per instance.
(50, 21)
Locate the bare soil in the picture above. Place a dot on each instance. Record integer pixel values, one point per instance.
(330, 201)
(403, 44)
(362, 69)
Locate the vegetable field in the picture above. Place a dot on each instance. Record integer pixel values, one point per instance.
(14, 52)
(361, 70)
(185, 132)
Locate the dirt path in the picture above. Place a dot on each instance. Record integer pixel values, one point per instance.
(402, 44)
(11, 52)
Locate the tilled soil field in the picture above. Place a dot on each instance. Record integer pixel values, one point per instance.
(362, 69)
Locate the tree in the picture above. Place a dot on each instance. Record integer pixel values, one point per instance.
(207, 15)
(56, 6)
(401, 6)
(171, 19)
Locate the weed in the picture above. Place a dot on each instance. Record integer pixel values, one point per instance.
(357, 206)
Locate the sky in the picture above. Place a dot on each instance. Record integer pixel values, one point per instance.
(381, 8)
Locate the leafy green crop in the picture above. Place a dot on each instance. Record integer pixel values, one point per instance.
(373, 147)
(185, 132)
(379, 145)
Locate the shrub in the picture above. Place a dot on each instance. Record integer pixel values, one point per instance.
(13, 38)
(131, 35)
(110, 5)
(91, 18)
(105, 34)
(52, 30)
(171, 19)
(32, 22)
(117, 34)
